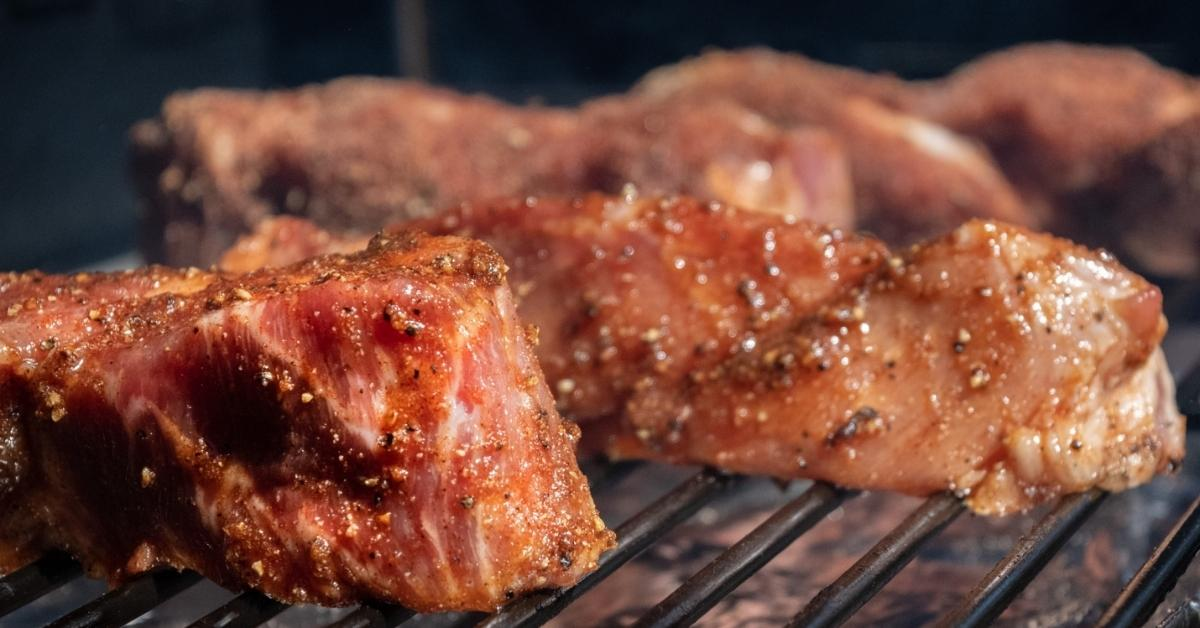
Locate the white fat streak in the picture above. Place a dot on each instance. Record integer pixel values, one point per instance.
(1105, 423)
(931, 139)
(1100, 278)
(937, 141)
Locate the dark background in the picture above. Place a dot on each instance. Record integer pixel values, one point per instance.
(75, 74)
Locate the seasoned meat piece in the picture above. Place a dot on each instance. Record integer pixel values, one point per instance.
(1056, 115)
(371, 426)
(1008, 365)
(629, 293)
(1102, 139)
(722, 151)
(356, 153)
(283, 240)
(359, 154)
(1004, 364)
(912, 178)
(1149, 205)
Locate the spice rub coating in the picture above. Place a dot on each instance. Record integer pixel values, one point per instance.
(629, 292)
(371, 426)
(1007, 365)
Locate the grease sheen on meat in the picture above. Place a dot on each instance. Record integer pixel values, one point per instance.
(629, 293)
(371, 426)
(1008, 365)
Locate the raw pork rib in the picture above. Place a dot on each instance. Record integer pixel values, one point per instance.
(1008, 365)
(629, 293)
(371, 426)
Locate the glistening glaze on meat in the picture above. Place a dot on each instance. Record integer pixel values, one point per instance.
(631, 293)
(354, 427)
(1007, 365)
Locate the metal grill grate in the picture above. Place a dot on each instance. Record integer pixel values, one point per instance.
(833, 605)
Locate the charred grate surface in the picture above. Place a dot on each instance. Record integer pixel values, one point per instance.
(1158, 576)
(745, 557)
(1012, 574)
(125, 604)
(35, 580)
(633, 537)
(248, 609)
(833, 605)
(374, 616)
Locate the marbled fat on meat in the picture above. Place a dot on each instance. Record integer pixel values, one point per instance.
(371, 426)
(1008, 365)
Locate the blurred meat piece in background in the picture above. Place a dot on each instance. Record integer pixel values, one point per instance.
(912, 178)
(359, 154)
(1089, 142)
(1104, 141)
(1058, 116)
(716, 149)
(1154, 196)
(352, 154)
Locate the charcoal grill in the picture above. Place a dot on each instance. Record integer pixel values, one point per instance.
(838, 601)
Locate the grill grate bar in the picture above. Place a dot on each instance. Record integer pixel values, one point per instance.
(124, 604)
(35, 580)
(633, 536)
(248, 609)
(1026, 559)
(1186, 616)
(838, 601)
(374, 616)
(1157, 577)
(704, 589)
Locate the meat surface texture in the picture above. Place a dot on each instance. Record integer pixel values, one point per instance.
(356, 153)
(631, 293)
(1094, 143)
(912, 178)
(1057, 116)
(1100, 141)
(371, 426)
(1152, 197)
(364, 153)
(1004, 364)
(716, 149)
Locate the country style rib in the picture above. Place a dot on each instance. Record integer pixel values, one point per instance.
(1008, 365)
(371, 426)
(628, 292)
